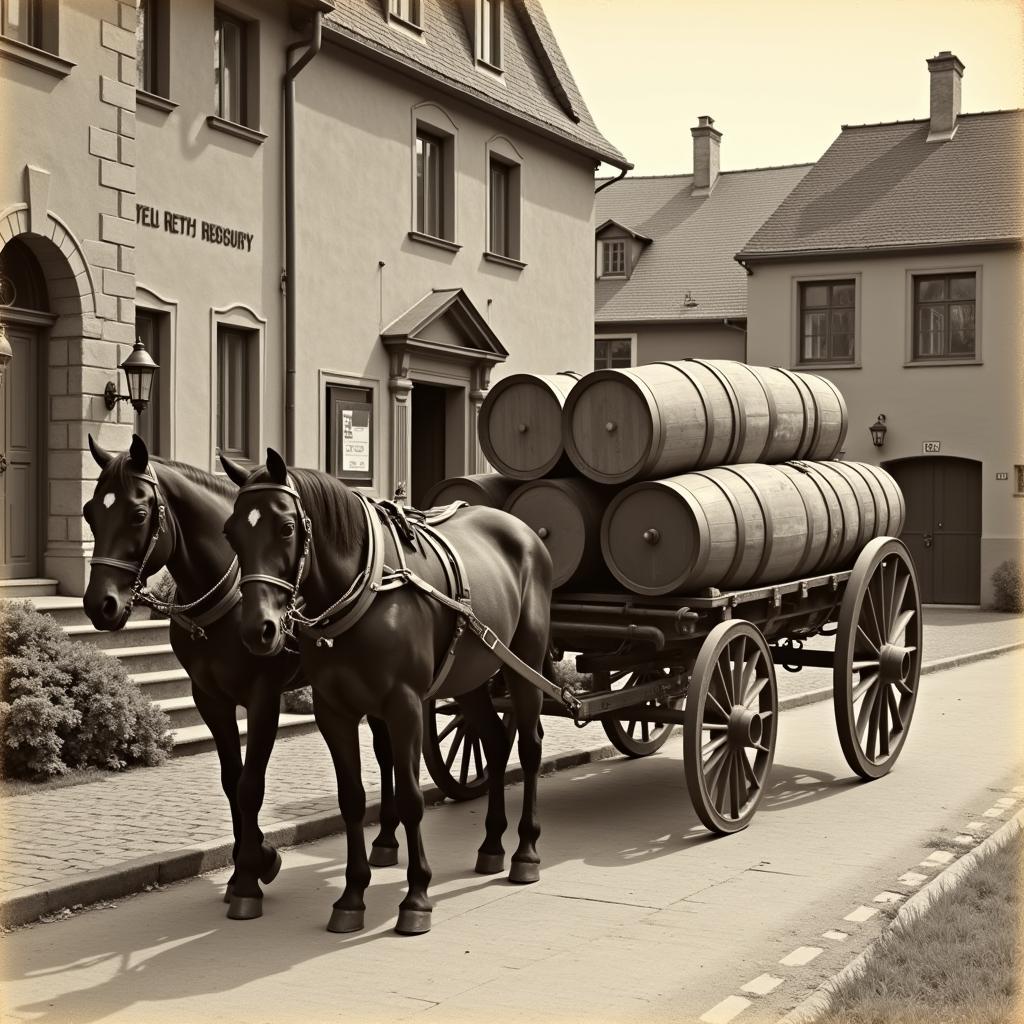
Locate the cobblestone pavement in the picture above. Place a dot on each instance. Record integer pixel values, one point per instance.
(57, 833)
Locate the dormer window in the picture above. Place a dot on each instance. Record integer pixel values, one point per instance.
(489, 42)
(613, 258)
(407, 11)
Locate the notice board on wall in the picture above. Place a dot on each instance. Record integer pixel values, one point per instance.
(350, 434)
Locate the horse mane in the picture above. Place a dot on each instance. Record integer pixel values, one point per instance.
(330, 505)
(120, 470)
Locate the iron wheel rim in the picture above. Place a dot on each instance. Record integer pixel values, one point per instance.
(453, 751)
(636, 737)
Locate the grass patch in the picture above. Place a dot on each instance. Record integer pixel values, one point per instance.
(958, 964)
(24, 787)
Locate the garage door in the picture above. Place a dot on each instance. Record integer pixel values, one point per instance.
(943, 528)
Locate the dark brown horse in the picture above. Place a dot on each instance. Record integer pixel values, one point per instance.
(304, 534)
(147, 513)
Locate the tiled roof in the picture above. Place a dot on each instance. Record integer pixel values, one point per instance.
(536, 84)
(694, 241)
(882, 186)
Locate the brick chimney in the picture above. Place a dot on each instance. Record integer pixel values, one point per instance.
(946, 71)
(706, 141)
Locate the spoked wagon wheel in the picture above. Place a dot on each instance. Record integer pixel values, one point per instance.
(878, 657)
(453, 752)
(730, 725)
(632, 736)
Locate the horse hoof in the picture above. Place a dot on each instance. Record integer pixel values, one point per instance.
(383, 856)
(245, 908)
(490, 863)
(229, 892)
(346, 920)
(271, 873)
(413, 922)
(523, 872)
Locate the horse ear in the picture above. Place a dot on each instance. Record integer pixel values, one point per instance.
(139, 454)
(238, 474)
(276, 467)
(101, 455)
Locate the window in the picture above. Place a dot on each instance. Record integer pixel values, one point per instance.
(500, 213)
(612, 353)
(151, 55)
(1018, 478)
(944, 316)
(229, 67)
(405, 10)
(234, 404)
(22, 20)
(613, 258)
(490, 32)
(431, 213)
(350, 437)
(827, 321)
(151, 330)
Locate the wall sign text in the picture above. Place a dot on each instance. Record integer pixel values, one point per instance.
(190, 227)
(1002, 476)
(931, 447)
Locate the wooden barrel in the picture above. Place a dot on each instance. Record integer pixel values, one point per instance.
(739, 526)
(566, 515)
(653, 421)
(490, 489)
(520, 424)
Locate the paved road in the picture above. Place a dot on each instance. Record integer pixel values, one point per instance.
(639, 914)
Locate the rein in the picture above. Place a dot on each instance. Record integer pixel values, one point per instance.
(376, 577)
(176, 612)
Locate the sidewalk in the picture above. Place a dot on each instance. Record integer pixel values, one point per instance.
(105, 839)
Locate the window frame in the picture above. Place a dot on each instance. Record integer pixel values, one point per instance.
(430, 121)
(500, 152)
(155, 341)
(239, 318)
(166, 312)
(430, 185)
(413, 19)
(35, 36)
(603, 247)
(222, 16)
(620, 336)
(490, 40)
(327, 379)
(797, 282)
(152, 78)
(830, 307)
(914, 277)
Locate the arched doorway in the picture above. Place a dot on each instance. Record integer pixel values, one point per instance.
(25, 315)
(943, 527)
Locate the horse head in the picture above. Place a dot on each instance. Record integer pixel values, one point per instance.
(268, 533)
(124, 514)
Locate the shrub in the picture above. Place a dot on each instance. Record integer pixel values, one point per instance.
(161, 585)
(1008, 587)
(67, 705)
(297, 702)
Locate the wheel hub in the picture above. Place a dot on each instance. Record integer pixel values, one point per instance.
(745, 727)
(894, 663)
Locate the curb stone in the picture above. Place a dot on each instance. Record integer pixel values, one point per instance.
(133, 876)
(818, 1001)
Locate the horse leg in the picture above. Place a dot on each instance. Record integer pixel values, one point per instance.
(219, 716)
(480, 715)
(341, 731)
(384, 851)
(256, 861)
(405, 725)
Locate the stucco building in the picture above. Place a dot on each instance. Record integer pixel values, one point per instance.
(894, 268)
(333, 261)
(667, 284)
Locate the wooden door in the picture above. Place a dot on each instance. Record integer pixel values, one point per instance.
(943, 527)
(19, 449)
(429, 440)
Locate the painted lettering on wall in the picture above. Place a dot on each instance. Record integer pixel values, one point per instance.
(181, 224)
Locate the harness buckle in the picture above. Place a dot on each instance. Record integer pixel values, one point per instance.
(324, 641)
(489, 638)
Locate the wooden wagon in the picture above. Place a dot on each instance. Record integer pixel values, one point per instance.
(708, 662)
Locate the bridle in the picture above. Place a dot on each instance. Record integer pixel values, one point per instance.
(140, 593)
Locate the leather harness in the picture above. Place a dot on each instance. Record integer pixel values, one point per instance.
(228, 586)
(384, 519)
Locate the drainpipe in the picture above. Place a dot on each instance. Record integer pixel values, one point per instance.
(312, 46)
(611, 181)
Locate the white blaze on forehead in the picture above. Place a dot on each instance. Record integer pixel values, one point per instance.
(254, 517)
(108, 499)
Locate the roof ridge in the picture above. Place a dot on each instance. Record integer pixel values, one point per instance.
(925, 120)
(738, 170)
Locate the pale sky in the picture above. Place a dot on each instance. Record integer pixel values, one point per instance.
(778, 76)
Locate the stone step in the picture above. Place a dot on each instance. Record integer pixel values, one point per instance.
(148, 658)
(195, 739)
(66, 611)
(15, 590)
(161, 685)
(135, 633)
(182, 712)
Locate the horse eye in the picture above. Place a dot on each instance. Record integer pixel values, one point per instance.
(141, 514)
(287, 529)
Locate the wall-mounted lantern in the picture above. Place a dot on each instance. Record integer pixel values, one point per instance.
(878, 430)
(139, 369)
(6, 352)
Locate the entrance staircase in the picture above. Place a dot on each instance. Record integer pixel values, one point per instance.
(143, 647)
